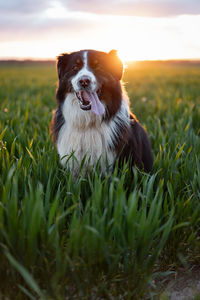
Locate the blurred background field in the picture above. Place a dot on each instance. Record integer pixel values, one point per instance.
(100, 237)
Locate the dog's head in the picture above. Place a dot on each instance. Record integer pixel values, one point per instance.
(94, 78)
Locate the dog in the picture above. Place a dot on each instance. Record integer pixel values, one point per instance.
(93, 118)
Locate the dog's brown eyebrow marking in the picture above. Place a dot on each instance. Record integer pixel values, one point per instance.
(78, 61)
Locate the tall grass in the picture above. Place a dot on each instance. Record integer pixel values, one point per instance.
(99, 237)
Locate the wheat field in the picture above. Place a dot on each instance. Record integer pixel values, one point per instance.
(101, 237)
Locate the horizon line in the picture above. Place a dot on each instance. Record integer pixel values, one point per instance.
(33, 59)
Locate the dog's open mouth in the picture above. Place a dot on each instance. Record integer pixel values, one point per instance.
(84, 99)
(90, 100)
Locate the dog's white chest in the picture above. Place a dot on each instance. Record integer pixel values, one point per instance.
(84, 135)
(92, 143)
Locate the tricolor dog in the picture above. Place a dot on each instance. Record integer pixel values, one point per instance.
(93, 117)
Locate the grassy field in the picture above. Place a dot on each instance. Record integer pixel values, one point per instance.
(102, 237)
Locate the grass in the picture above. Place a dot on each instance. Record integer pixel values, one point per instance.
(99, 237)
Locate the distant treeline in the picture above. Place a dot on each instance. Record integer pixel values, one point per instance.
(149, 63)
(27, 62)
(146, 63)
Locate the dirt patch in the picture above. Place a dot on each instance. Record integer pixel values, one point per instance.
(184, 286)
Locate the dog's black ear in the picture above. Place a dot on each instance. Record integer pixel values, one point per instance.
(62, 61)
(116, 64)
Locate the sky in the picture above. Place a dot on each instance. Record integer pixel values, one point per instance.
(138, 29)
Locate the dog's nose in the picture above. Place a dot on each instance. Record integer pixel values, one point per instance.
(84, 82)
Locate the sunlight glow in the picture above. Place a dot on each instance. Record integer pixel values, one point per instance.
(135, 38)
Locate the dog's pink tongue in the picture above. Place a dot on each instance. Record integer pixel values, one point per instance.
(96, 105)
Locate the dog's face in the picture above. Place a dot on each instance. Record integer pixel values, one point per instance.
(94, 78)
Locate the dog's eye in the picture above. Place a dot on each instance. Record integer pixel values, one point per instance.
(95, 63)
(77, 65)
(75, 68)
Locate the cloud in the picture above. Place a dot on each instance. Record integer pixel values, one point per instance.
(66, 25)
(43, 19)
(150, 8)
(23, 7)
(44, 27)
